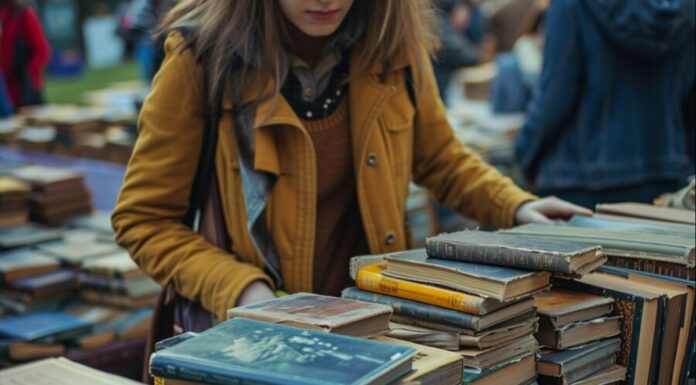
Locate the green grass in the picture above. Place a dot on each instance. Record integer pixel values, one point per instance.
(71, 89)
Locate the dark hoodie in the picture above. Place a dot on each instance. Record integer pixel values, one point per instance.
(613, 97)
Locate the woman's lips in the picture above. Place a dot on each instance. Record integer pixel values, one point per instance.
(323, 15)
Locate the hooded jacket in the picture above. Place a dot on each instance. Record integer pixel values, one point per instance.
(614, 89)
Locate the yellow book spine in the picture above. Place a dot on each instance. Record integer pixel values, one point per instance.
(372, 278)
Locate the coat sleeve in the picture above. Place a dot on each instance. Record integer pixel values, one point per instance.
(558, 92)
(38, 46)
(456, 176)
(154, 198)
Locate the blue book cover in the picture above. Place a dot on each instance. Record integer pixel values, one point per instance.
(241, 351)
(415, 309)
(675, 230)
(39, 326)
(56, 280)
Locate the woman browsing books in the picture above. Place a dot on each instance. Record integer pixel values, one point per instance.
(321, 112)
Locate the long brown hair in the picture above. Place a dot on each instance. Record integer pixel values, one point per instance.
(234, 38)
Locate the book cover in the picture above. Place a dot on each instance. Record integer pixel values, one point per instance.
(74, 253)
(487, 358)
(372, 278)
(252, 352)
(664, 228)
(59, 280)
(667, 268)
(27, 235)
(498, 282)
(44, 178)
(59, 371)
(320, 312)
(437, 314)
(19, 263)
(430, 365)
(579, 333)
(519, 369)
(529, 253)
(41, 326)
(117, 264)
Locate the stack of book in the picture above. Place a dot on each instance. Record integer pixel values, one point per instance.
(577, 333)
(14, 202)
(79, 246)
(115, 280)
(36, 138)
(657, 341)
(57, 194)
(110, 324)
(9, 127)
(472, 292)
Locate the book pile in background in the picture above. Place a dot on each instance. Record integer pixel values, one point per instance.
(577, 335)
(66, 290)
(57, 194)
(14, 201)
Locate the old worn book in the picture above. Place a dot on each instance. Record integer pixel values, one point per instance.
(658, 247)
(62, 200)
(59, 371)
(488, 358)
(560, 307)
(500, 249)
(619, 224)
(27, 235)
(431, 366)
(642, 309)
(579, 374)
(98, 221)
(19, 351)
(14, 218)
(519, 371)
(117, 264)
(498, 282)
(568, 362)
(118, 300)
(20, 263)
(77, 252)
(372, 278)
(611, 375)
(646, 211)
(320, 312)
(248, 351)
(441, 315)
(450, 338)
(579, 333)
(665, 268)
(132, 287)
(12, 189)
(47, 179)
(44, 327)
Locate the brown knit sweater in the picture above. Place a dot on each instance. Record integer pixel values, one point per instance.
(339, 230)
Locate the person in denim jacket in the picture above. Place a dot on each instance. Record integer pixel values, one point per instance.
(609, 120)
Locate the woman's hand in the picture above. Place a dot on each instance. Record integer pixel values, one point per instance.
(549, 210)
(257, 291)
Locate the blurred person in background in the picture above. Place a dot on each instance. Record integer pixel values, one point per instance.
(518, 71)
(609, 122)
(24, 52)
(456, 50)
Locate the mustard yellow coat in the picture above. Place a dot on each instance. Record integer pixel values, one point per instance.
(393, 140)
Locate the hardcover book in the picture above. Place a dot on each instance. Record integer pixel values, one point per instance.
(45, 327)
(559, 307)
(437, 314)
(487, 358)
(500, 249)
(319, 312)
(658, 247)
(20, 263)
(47, 179)
(372, 278)
(611, 375)
(515, 372)
(47, 284)
(616, 224)
(561, 363)
(498, 282)
(251, 352)
(116, 264)
(646, 211)
(579, 333)
(75, 253)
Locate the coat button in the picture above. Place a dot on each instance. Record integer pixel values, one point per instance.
(372, 159)
(389, 239)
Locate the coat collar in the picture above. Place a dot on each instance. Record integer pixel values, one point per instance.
(367, 96)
